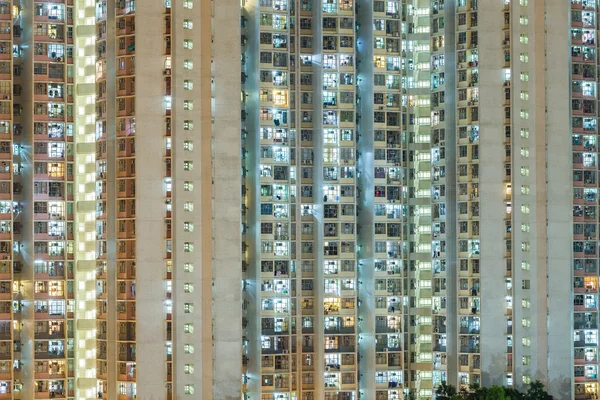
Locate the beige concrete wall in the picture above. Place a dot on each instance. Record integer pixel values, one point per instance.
(226, 145)
(559, 194)
(150, 211)
(492, 208)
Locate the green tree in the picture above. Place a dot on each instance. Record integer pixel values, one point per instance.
(445, 392)
(536, 391)
(495, 393)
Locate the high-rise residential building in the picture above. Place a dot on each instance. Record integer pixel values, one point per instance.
(120, 211)
(297, 199)
(419, 197)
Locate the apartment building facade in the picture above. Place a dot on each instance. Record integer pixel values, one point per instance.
(407, 209)
(115, 261)
(403, 194)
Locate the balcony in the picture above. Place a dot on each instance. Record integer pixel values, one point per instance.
(52, 389)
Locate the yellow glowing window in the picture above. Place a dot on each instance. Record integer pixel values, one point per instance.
(379, 62)
(280, 97)
(56, 170)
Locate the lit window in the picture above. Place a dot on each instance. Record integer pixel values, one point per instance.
(188, 84)
(188, 125)
(525, 208)
(167, 102)
(188, 348)
(525, 246)
(189, 4)
(188, 267)
(188, 369)
(188, 44)
(188, 24)
(524, 3)
(188, 186)
(188, 105)
(188, 165)
(524, 76)
(524, 38)
(188, 226)
(524, 57)
(525, 133)
(188, 64)
(523, 20)
(188, 145)
(524, 114)
(526, 378)
(525, 228)
(526, 360)
(524, 189)
(525, 265)
(188, 287)
(189, 389)
(188, 247)
(525, 152)
(525, 303)
(188, 328)
(188, 206)
(524, 171)
(188, 308)
(524, 95)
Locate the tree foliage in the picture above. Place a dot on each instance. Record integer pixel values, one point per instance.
(535, 391)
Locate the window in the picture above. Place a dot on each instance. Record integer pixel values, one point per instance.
(188, 44)
(524, 95)
(523, 20)
(188, 64)
(188, 206)
(188, 165)
(524, 189)
(525, 133)
(189, 4)
(188, 267)
(524, 57)
(188, 186)
(188, 145)
(188, 105)
(188, 287)
(188, 247)
(188, 328)
(524, 171)
(188, 308)
(188, 369)
(524, 76)
(525, 208)
(188, 389)
(188, 125)
(188, 84)
(526, 284)
(188, 226)
(525, 152)
(188, 24)
(524, 38)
